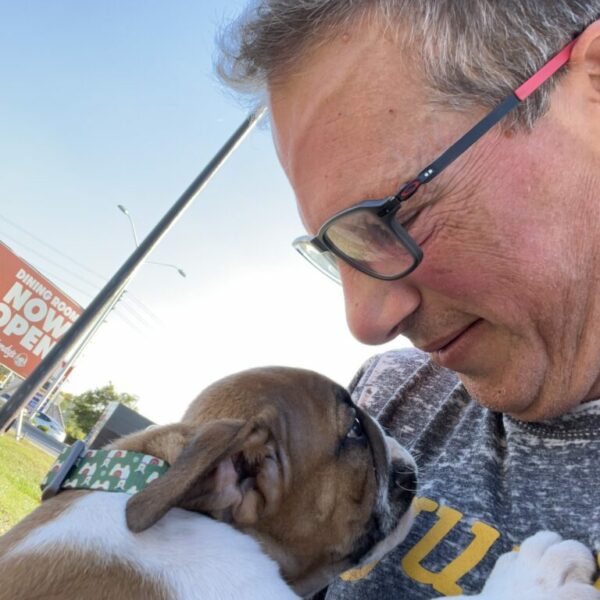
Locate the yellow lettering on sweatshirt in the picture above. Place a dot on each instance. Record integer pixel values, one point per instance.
(445, 580)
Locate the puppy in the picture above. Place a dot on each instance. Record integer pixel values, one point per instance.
(277, 483)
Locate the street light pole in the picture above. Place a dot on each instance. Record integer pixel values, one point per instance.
(124, 210)
(60, 378)
(126, 213)
(117, 284)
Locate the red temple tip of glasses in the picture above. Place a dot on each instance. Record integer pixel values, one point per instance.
(537, 79)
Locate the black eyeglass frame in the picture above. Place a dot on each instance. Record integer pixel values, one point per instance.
(385, 209)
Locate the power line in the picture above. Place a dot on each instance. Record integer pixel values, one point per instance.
(49, 260)
(53, 248)
(85, 293)
(117, 312)
(103, 278)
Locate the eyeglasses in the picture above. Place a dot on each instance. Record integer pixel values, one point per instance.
(369, 237)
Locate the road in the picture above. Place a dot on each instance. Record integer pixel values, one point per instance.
(42, 440)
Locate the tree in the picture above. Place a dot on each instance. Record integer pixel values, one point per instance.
(82, 411)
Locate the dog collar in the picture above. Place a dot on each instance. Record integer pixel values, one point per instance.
(108, 470)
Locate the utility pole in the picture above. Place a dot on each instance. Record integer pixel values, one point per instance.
(111, 292)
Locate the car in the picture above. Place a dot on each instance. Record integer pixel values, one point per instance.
(49, 426)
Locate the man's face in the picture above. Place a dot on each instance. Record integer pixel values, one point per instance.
(506, 293)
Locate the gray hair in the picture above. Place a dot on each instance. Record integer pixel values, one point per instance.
(471, 52)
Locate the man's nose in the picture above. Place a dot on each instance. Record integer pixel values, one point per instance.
(376, 310)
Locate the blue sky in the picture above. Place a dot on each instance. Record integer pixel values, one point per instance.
(107, 103)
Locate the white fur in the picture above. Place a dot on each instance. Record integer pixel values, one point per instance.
(545, 568)
(191, 555)
(392, 540)
(396, 452)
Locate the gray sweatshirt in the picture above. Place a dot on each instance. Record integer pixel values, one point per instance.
(487, 481)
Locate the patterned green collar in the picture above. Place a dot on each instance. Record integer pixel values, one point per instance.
(107, 470)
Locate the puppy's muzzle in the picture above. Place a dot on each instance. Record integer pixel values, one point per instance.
(392, 514)
(402, 485)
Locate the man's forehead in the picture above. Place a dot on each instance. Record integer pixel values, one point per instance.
(355, 71)
(357, 148)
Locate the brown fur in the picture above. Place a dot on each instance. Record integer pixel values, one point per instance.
(33, 577)
(45, 513)
(305, 416)
(70, 575)
(265, 450)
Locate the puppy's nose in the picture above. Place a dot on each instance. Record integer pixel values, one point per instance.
(402, 483)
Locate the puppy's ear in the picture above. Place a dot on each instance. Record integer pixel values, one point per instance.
(163, 441)
(233, 470)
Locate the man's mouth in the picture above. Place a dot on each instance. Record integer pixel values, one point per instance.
(444, 341)
(451, 349)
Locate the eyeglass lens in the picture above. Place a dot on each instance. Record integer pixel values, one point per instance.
(367, 241)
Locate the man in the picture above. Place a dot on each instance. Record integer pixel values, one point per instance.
(488, 259)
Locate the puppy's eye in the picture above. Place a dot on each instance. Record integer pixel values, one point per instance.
(356, 431)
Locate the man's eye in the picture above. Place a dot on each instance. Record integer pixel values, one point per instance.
(356, 432)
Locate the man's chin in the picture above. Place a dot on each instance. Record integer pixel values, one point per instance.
(517, 403)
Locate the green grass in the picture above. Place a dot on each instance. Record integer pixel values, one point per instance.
(22, 468)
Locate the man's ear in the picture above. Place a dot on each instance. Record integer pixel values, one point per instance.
(585, 56)
(233, 470)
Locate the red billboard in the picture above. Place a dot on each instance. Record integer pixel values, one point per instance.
(34, 314)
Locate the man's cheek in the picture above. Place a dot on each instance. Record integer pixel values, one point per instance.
(462, 270)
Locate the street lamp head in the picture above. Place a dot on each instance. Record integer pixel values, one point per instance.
(135, 239)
